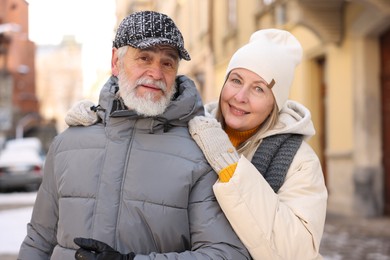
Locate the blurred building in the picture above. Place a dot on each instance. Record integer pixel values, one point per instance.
(18, 101)
(343, 79)
(59, 78)
(20, 114)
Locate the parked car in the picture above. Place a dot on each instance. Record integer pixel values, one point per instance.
(21, 163)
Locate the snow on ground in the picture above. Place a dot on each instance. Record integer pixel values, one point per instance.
(13, 222)
(17, 198)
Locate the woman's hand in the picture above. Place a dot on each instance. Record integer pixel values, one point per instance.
(81, 114)
(214, 142)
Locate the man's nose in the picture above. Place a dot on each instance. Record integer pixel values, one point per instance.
(155, 70)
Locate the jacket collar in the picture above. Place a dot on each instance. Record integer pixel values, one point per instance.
(184, 106)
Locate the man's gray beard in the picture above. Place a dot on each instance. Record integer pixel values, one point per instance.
(145, 105)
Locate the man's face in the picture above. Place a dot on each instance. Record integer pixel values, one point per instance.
(147, 78)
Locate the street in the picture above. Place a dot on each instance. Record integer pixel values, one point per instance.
(344, 238)
(356, 238)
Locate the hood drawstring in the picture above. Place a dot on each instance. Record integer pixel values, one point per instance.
(151, 131)
(166, 124)
(118, 105)
(97, 108)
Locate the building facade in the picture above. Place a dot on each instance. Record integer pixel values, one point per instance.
(343, 79)
(60, 83)
(18, 101)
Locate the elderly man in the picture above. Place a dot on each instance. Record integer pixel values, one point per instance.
(134, 185)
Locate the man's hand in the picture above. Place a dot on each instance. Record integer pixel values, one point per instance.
(214, 142)
(91, 249)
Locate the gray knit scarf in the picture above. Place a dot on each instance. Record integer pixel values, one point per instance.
(274, 156)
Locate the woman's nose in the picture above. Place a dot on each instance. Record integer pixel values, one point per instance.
(242, 95)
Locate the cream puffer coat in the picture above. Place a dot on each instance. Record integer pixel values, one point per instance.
(286, 225)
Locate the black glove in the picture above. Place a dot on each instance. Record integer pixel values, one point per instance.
(91, 249)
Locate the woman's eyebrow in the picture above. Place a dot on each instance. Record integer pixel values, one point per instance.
(236, 74)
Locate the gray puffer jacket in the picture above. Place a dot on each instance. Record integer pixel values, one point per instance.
(138, 184)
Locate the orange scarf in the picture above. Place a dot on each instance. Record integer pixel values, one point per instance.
(238, 137)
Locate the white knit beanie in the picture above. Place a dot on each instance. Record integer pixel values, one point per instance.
(271, 54)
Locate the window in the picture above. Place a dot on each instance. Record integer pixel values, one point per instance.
(232, 14)
(268, 2)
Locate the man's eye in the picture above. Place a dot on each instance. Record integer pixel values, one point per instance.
(145, 58)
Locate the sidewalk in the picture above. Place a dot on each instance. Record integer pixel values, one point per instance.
(356, 238)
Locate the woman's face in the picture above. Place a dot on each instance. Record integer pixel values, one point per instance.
(246, 101)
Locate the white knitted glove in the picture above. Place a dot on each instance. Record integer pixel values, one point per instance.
(81, 114)
(214, 142)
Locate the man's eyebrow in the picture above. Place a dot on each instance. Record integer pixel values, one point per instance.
(148, 49)
(170, 51)
(173, 54)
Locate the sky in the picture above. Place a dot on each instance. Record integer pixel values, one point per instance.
(88, 20)
(91, 22)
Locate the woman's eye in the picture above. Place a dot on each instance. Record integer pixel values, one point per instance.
(236, 81)
(259, 89)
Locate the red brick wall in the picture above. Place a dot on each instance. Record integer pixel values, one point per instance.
(20, 57)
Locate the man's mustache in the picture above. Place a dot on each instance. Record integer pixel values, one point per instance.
(147, 81)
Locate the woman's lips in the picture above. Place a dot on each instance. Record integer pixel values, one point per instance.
(238, 112)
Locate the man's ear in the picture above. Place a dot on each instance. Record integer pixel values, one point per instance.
(114, 62)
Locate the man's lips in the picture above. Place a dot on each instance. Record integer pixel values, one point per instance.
(151, 87)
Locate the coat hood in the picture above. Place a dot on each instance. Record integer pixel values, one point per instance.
(294, 118)
(185, 104)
